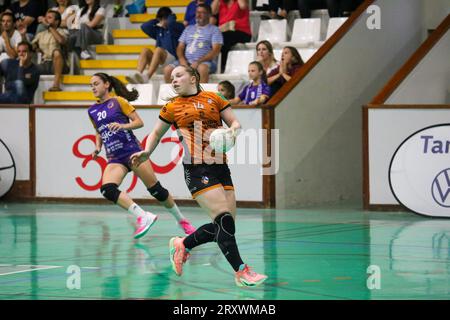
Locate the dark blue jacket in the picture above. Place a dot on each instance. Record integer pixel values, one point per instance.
(165, 38)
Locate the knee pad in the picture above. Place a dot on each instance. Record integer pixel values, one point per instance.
(225, 228)
(159, 192)
(110, 191)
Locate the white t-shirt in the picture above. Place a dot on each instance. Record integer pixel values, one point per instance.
(85, 18)
(14, 41)
(69, 10)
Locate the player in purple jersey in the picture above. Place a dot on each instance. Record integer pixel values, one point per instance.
(114, 118)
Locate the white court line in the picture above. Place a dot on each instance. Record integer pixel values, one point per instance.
(29, 270)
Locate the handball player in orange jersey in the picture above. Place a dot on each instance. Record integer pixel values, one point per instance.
(114, 118)
(195, 113)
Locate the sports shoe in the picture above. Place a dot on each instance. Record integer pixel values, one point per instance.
(186, 226)
(131, 79)
(85, 55)
(141, 78)
(247, 277)
(178, 254)
(144, 224)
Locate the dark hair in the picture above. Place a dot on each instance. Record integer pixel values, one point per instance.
(118, 86)
(25, 43)
(7, 13)
(228, 86)
(260, 68)
(206, 6)
(268, 46)
(163, 13)
(57, 16)
(296, 55)
(85, 7)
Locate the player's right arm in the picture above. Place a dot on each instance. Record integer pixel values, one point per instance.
(98, 146)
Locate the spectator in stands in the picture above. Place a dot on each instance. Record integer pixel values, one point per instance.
(226, 89)
(279, 9)
(265, 55)
(234, 23)
(9, 40)
(51, 43)
(257, 91)
(166, 31)
(189, 15)
(198, 46)
(291, 61)
(22, 77)
(67, 11)
(26, 13)
(87, 28)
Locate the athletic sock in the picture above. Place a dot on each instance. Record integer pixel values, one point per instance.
(176, 213)
(136, 211)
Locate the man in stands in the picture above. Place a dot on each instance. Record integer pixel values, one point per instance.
(198, 46)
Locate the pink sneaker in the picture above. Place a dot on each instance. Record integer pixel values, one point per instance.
(178, 254)
(143, 225)
(247, 277)
(186, 226)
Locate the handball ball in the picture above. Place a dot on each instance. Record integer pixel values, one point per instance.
(221, 140)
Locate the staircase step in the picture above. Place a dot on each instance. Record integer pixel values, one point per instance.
(108, 64)
(166, 3)
(69, 96)
(84, 80)
(144, 17)
(121, 49)
(129, 33)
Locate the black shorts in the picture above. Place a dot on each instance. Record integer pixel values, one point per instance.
(203, 177)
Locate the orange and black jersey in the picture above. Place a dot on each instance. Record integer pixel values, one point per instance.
(195, 117)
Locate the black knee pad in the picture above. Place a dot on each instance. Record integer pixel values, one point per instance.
(225, 228)
(110, 191)
(159, 192)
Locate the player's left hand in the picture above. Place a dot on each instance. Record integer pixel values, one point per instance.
(114, 126)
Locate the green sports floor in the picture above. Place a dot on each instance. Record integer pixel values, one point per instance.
(61, 251)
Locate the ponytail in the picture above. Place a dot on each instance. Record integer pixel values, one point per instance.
(120, 89)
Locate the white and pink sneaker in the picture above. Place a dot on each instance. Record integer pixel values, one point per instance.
(186, 226)
(144, 224)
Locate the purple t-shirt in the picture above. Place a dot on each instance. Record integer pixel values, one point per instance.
(251, 92)
(121, 143)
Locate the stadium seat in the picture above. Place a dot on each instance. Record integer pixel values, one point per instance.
(238, 60)
(333, 25)
(306, 53)
(165, 93)
(146, 93)
(305, 33)
(273, 30)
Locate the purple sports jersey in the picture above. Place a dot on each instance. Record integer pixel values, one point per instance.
(251, 92)
(119, 144)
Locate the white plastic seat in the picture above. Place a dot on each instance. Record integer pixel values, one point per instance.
(165, 93)
(333, 25)
(238, 61)
(277, 54)
(273, 30)
(305, 32)
(146, 94)
(209, 86)
(306, 53)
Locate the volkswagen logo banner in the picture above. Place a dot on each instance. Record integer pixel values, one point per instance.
(419, 173)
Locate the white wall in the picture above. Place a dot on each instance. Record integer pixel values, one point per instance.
(429, 82)
(320, 120)
(434, 12)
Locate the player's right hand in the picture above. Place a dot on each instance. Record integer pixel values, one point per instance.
(137, 158)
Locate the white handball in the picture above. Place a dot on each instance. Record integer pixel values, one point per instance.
(221, 140)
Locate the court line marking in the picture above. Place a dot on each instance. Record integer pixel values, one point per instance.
(29, 270)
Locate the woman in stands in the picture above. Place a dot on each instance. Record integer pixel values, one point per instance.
(234, 23)
(113, 119)
(207, 175)
(265, 55)
(291, 61)
(87, 28)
